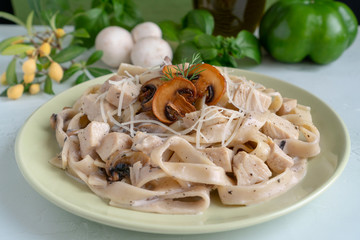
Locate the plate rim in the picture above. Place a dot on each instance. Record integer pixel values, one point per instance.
(173, 229)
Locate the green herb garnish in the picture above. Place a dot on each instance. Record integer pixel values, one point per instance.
(193, 66)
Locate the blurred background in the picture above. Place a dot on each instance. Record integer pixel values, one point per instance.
(155, 11)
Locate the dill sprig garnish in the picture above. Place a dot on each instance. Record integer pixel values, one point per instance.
(180, 70)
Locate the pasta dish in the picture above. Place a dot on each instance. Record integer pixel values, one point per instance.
(162, 139)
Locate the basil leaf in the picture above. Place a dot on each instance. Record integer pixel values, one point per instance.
(81, 78)
(8, 41)
(48, 86)
(130, 16)
(118, 9)
(170, 30)
(184, 51)
(188, 34)
(248, 46)
(16, 49)
(200, 19)
(11, 77)
(98, 72)
(228, 60)
(208, 53)
(70, 72)
(69, 53)
(93, 20)
(205, 41)
(96, 56)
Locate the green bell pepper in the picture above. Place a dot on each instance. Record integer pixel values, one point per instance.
(320, 29)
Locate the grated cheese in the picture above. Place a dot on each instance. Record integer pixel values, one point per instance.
(132, 134)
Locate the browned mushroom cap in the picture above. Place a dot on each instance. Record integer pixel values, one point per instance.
(147, 92)
(209, 83)
(53, 120)
(174, 99)
(118, 165)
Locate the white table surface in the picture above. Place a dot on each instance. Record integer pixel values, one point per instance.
(335, 214)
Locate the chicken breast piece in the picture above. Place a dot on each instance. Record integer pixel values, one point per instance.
(130, 91)
(221, 156)
(288, 105)
(91, 107)
(111, 143)
(249, 169)
(249, 98)
(91, 136)
(145, 142)
(279, 128)
(106, 85)
(278, 161)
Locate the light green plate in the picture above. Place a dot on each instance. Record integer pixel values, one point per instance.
(36, 144)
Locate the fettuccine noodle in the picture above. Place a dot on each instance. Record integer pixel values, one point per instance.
(250, 147)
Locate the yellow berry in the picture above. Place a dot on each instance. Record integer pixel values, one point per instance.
(56, 72)
(29, 78)
(45, 49)
(29, 66)
(3, 78)
(30, 52)
(59, 32)
(34, 89)
(15, 91)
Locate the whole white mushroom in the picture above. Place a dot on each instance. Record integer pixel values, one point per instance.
(116, 43)
(146, 29)
(151, 51)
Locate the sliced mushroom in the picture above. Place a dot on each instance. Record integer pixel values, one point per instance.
(53, 120)
(147, 92)
(118, 165)
(174, 99)
(209, 82)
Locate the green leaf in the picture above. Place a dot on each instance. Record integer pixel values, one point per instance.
(170, 30)
(96, 56)
(208, 53)
(130, 16)
(184, 51)
(201, 19)
(11, 77)
(188, 34)
(248, 46)
(4, 93)
(12, 18)
(48, 86)
(69, 53)
(118, 8)
(8, 41)
(228, 60)
(205, 41)
(81, 78)
(53, 22)
(93, 21)
(16, 49)
(81, 33)
(98, 72)
(70, 72)
(29, 22)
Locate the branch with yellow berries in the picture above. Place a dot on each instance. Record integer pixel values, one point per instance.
(44, 58)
